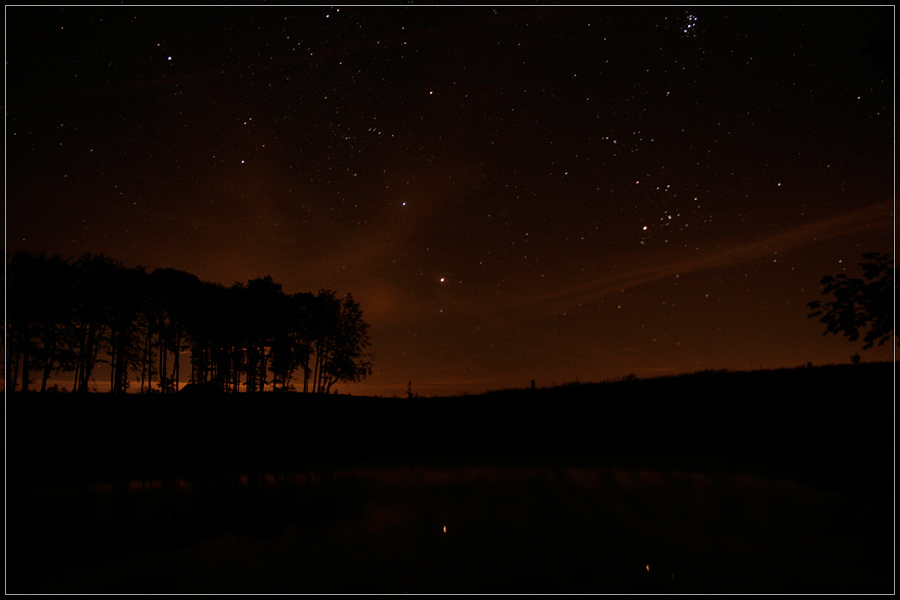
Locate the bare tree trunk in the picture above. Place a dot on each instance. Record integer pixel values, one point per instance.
(14, 371)
(113, 377)
(48, 361)
(317, 369)
(147, 363)
(263, 368)
(25, 371)
(176, 369)
(79, 360)
(163, 361)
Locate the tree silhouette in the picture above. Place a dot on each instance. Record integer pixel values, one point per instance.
(207, 313)
(341, 344)
(325, 311)
(291, 344)
(264, 312)
(93, 294)
(64, 317)
(860, 304)
(55, 317)
(38, 313)
(171, 293)
(124, 346)
(349, 359)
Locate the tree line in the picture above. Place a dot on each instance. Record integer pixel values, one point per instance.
(70, 316)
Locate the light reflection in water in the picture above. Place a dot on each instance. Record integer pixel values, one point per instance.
(538, 525)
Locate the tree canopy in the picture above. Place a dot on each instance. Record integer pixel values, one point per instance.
(860, 305)
(68, 317)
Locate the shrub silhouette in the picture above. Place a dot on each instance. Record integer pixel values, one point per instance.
(860, 304)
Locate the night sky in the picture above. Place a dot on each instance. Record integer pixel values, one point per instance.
(510, 193)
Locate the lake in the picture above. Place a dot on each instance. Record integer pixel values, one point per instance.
(451, 528)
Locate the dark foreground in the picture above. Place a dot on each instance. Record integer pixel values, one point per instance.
(778, 481)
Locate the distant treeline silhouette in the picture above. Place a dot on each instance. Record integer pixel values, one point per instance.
(68, 317)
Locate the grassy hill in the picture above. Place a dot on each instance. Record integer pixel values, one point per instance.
(833, 413)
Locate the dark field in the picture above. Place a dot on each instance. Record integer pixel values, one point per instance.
(769, 481)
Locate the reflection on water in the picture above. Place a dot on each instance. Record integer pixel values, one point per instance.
(482, 529)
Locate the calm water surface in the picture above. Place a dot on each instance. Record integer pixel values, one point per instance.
(472, 529)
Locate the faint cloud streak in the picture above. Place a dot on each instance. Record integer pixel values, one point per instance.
(864, 219)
